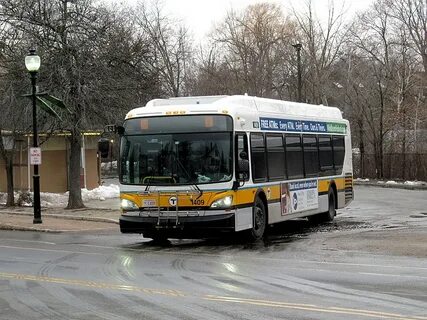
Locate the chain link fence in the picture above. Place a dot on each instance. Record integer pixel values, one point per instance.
(397, 166)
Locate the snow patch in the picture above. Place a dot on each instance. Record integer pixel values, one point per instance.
(109, 165)
(391, 182)
(101, 193)
(415, 183)
(361, 179)
(48, 199)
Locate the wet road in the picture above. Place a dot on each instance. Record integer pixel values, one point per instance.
(371, 263)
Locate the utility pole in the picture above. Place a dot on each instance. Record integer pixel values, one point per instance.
(298, 47)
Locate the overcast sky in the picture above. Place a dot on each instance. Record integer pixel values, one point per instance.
(200, 15)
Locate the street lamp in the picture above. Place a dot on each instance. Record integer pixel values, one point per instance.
(32, 63)
(298, 47)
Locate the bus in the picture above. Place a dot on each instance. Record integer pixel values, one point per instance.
(191, 167)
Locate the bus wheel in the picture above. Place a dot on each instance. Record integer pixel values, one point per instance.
(259, 220)
(329, 215)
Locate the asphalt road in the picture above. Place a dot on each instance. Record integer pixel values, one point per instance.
(371, 263)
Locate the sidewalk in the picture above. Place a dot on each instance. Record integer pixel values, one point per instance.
(98, 215)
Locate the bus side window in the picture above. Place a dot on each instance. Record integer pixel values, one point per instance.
(242, 153)
(311, 155)
(259, 167)
(294, 156)
(275, 157)
(338, 147)
(326, 159)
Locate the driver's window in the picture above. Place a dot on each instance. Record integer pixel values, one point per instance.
(242, 152)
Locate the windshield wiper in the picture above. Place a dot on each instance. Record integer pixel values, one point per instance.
(148, 184)
(187, 174)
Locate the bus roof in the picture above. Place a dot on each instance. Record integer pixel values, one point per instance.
(237, 105)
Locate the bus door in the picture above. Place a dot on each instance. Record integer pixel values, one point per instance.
(243, 196)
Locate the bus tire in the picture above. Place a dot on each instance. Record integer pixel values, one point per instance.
(329, 215)
(332, 201)
(259, 221)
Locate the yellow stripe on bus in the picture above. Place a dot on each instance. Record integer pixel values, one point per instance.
(240, 197)
(323, 185)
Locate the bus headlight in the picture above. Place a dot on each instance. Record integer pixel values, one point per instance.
(225, 202)
(128, 205)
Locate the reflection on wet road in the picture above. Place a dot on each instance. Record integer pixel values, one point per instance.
(349, 268)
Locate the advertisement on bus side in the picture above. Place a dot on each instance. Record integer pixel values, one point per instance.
(298, 196)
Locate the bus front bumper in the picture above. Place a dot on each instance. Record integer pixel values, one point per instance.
(179, 227)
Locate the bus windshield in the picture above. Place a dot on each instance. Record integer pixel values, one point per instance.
(176, 158)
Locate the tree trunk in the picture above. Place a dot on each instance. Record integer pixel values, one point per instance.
(377, 171)
(381, 135)
(381, 158)
(10, 202)
(361, 150)
(75, 200)
(424, 57)
(404, 145)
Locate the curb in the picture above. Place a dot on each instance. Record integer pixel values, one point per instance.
(390, 185)
(11, 227)
(66, 217)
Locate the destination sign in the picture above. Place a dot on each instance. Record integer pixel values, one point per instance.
(301, 125)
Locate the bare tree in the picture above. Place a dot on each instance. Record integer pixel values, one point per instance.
(172, 45)
(384, 65)
(249, 52)
(372, 36)
(12, 125)
(72, 37)
(213, 76)
(413, 16)
(14, 118)
(321, 43)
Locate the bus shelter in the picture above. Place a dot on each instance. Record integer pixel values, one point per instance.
(54, 169)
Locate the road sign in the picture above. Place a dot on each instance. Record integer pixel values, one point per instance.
(111, 128)
(35, 156)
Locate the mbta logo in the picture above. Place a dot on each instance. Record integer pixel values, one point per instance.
(173, 201)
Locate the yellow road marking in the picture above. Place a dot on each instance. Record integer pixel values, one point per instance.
(178, 293)
(51, 250)
(91, 284)
(314, 308)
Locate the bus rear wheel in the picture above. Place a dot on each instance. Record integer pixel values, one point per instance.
(329, 215)
(259, 221)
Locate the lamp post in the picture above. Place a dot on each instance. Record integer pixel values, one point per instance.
(32, 63)
(298, 47)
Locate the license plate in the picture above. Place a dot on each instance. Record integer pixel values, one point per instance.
(149, 203)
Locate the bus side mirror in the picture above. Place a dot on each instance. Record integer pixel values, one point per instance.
(104, 147)
(120, 130)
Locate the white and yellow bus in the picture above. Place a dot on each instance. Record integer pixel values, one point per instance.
(196, 165)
